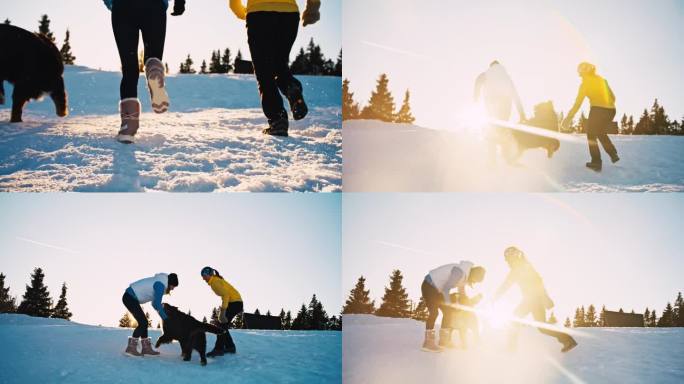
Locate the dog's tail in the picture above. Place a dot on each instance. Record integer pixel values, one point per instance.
(212, 329)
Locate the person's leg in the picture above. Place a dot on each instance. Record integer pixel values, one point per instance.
(607, 118)
(153, 27)
(126, 36)
(593, 128)
(132, 305)
(433, 300)
(288, 25)
(261, 37)
(539, 315)
(233, 310)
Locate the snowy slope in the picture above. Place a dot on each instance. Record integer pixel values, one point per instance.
(36, 350)
(388, 350)
(210, 140)
(400, 157)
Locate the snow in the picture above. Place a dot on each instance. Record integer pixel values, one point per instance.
(388, 350)
(57, 351)
(210, 140)
(407, 158)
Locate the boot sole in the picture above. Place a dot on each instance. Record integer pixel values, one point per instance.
(125, 139)
(432, 350)
(160, 99)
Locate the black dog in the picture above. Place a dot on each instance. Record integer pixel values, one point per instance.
(32, 63)
(188, 331)
(544, 117)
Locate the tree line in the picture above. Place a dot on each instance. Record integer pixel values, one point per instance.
(395, 301)
(671, 316)
(36, 300)
(307, 62)
(380, 106)
(309, 318)
(44, 29)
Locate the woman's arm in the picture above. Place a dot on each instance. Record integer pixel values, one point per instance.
(238, 9)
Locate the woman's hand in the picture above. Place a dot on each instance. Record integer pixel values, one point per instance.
(311, 14)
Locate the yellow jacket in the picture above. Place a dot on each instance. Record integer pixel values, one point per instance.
(222, 288)
(262, 5)
(598, 91)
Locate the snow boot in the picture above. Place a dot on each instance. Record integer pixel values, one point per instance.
(445, 338)
(132, 348)
(569, 344)
(594, 166)
(147, 347)
(219, 346)
(228, 344)
(295, 96)
(130, 120)
(154, 73)
(277, 127)
(429, 343)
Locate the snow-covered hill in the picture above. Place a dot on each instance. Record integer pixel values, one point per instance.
(37, 350)
(385, 350)
(210, 140)
(400, 157)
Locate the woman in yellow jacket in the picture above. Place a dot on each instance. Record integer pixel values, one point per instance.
(231, 305)
(601, 114)
(271, 31)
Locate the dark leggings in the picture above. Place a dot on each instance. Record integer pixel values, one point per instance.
(233, 310)
(270, 36)
(129, 18)
(536, 308)
(434, 301)
(135, 309)
(597, 126)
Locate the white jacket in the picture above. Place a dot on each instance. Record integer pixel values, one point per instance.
(144, 288)
(499, 92)
(449, 276)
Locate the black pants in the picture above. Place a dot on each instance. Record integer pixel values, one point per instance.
(135, 309)
(538, 311)
(129, 18)
(434, 301)
(270, 36)
(597, 126)
(233, 310)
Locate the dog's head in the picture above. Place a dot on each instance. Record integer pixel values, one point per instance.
(169, 309)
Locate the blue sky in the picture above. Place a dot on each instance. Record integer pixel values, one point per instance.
(276, 249)
(621, 250)
(436, 48)
(205, 26)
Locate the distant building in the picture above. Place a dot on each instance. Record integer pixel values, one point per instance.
(243, 66)
(253, 321)
(621, 319)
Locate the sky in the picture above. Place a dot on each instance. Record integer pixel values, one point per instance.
(622, 250)
(277, 250)
(204, 27)
(436, 48)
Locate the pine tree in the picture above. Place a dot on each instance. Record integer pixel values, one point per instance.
(282, 318)
(350, 108)
(149, 321)
(61, 310)
(338, 65)
(659, 119)
(256, 312)
(647, 319)
(268, 312)
(395, 302)
(215, 316)
(203, 67)
(226, 65)
(654, 319)
(666, 317)
(287, 324)
(315, 59)
(552, 319)
(36, 300)
(359, 299)
(630, 124)
(44, 28)
(186, 66)
(8, 22)
(318, 318)
(335, 323)
(643, 126)
(238, 321)
(623, 124)
(381, 103)
(301, 321)
(581, 124)
(567, 323)
(678, 318)
(204, 319)
(404, 115)
(590, 316)
(421, 312)
(125, 321)
(67, 57)
(602, 317)
(8, 303)
(300, 63)
(579, 318)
